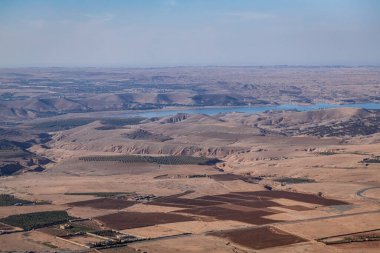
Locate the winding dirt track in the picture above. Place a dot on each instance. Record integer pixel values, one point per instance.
(361, 192)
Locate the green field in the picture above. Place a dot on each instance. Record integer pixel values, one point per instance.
(174, 160)
(100, 194)
(36, 220)
(327, 153)
(289, 180)
(10, 200)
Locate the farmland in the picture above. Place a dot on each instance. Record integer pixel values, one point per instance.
(85, 166)
(125, 220)
(104, 203)
(99, 194)
(36, 220)
(173, 160)
(9, 200)
(294, 180)
(260, 238)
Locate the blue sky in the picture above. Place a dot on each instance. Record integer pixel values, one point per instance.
(189, 32)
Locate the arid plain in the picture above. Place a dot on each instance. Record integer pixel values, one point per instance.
(77, 175)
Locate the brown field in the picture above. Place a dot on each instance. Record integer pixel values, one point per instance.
(241, 196)
(326, 188)
(295, 196)
(84, 239)
(103, 203)
(297, 208)
(260, 238)
(255, 203)
(251, 217)
(225, 177)
(169, 204)
(54, 231)
(125, 220)
(185, 202)
(124, 249)
(257, 199)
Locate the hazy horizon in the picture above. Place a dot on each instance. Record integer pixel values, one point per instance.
(177, 33)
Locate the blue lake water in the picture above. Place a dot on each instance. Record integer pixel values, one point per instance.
(250, 109)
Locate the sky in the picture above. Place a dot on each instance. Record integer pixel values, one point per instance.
(158, 33)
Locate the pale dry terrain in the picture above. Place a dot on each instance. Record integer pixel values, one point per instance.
(40, 92)
(198, 208)
(76, 175)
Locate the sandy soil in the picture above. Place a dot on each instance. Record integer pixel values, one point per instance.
(34, 241)
(332, 164)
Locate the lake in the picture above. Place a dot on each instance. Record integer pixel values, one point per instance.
(249, 109)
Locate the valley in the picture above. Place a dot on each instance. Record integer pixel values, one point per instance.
(78, 175)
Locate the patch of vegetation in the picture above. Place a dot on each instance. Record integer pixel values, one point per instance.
(296, 180)
(216, 99)
(169, 160)
(8, 96)
(75, 228)
(10, 200)
(10, 168)
(197, 175)
(100, 194)
(327, 153)
(141, 134)
(7, 146)
(62, 124)
(122, 121)
(50, 245)
(13, 146)
(106, 233)
(11, 152)
(375, 159)
(353, 127)
(65, 124)
(30, 221)
(107, 127)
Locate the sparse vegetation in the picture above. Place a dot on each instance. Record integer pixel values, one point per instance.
(65, 124)
(30, 221)
(76, 228)
(375, 159)
(101, 194)
(10, 168)
(353, 127)
(327, 153)
(12, 146)
(175, 160)
(7, 146)
(62, 124)
(141, 134)
(296, 180)
(197, 175)
(10, 200)
(108, 233)
(122, 121)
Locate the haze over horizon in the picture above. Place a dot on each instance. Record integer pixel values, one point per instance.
(142, 33)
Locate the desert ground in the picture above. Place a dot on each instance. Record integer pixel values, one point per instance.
(276, 181)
